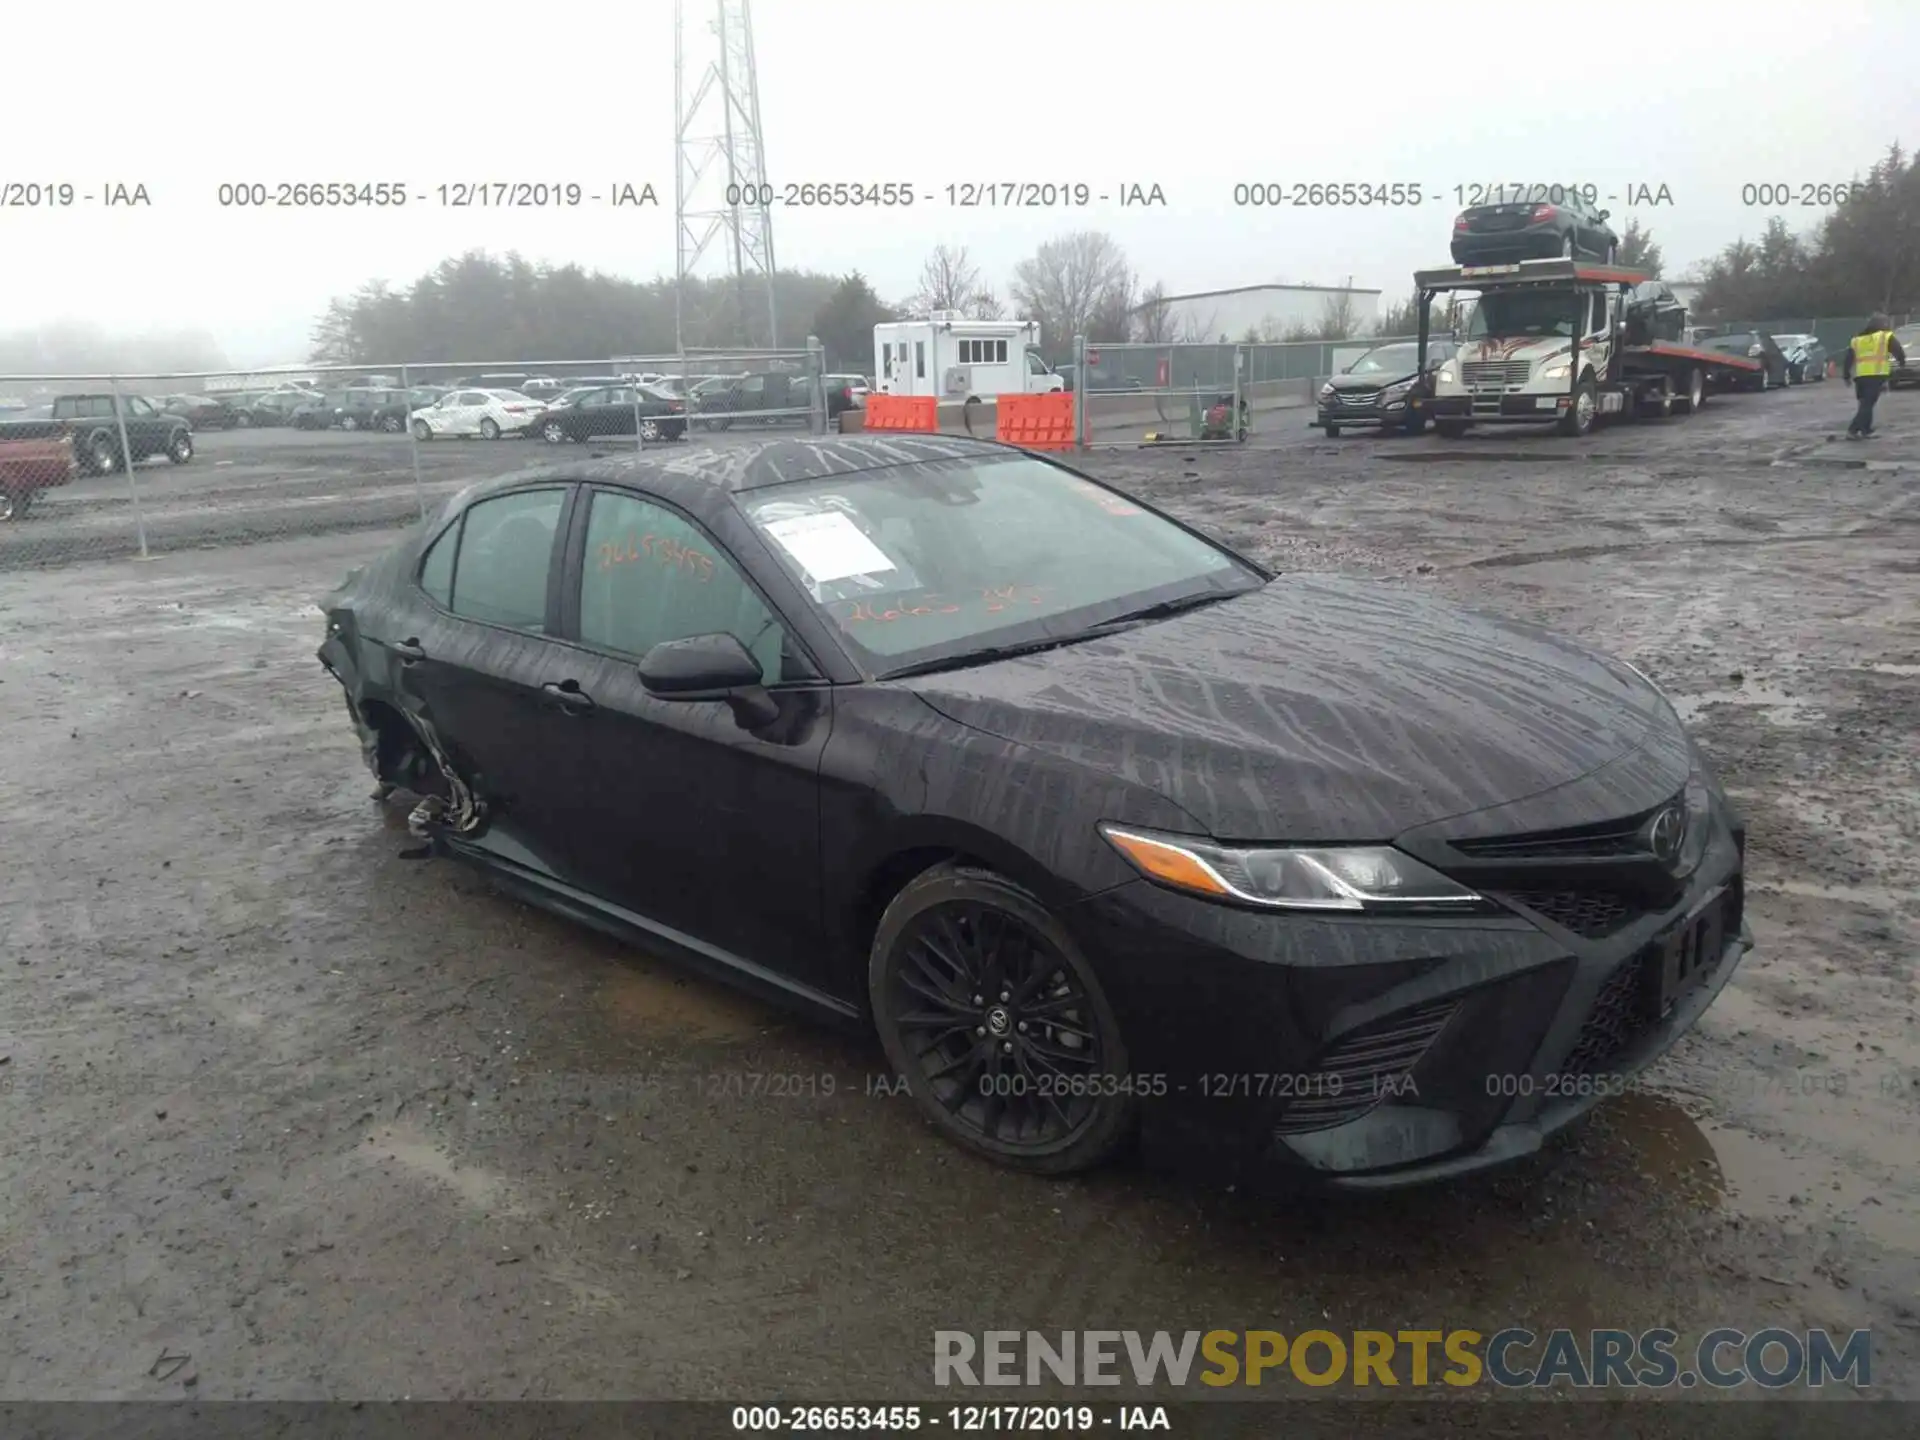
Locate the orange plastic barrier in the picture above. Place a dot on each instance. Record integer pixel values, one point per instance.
(918, 413)
(1035, 422)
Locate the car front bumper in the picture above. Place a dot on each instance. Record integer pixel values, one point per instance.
(1388, 416)
(1369, 1053)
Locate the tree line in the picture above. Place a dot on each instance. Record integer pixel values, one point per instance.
(1863, 254)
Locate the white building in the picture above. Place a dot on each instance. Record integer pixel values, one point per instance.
(1210, 317)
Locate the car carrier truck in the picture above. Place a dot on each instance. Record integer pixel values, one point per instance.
(1561, 342)
(954, 358)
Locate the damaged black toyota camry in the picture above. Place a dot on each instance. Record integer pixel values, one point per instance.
(1107, 831)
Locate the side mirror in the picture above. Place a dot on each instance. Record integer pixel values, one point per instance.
(709, 667)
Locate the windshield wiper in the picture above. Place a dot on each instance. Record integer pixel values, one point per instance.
(1162, 611)
(986, 656)
(1127, 621)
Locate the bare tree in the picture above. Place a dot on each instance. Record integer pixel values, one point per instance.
(1153, 317)
(1200, 330)
(1338, 318)
(948, 281)
(1079, 284)
(984, 305)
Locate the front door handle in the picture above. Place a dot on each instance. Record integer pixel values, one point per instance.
(568, 696)
(409, 651)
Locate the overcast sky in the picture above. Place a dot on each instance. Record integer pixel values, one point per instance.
(1702, 99)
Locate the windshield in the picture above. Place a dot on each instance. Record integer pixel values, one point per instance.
(1509, 313)
(1387, 360)
(919, 563)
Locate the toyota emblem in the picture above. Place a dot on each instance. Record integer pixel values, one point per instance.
(1667, 832)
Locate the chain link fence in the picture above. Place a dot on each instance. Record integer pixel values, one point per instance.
(104, 466)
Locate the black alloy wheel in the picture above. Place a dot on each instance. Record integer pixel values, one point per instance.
(985, 1005)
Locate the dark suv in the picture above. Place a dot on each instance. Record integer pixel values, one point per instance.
(746, 394)
(364, 408)
(1568, 228)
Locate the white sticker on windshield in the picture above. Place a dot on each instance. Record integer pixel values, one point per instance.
(829, 547)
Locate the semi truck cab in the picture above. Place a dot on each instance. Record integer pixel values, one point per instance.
(1518, 346)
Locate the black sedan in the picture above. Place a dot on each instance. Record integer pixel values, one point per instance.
(1103, 828)
(614, 411)
(1568, 227)
(1371, 393)
(1753, 345)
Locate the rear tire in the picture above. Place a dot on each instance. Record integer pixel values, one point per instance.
(1696, 392)
(14, 505)
(944, 941)
(489, 430)
(349, 422)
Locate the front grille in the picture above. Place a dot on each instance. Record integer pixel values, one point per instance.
(1622, 1013)
(1363, 1068)
(1356, 399)
(1478, 373)
(1591, 914)
(1607, 839)
(1627, 1006)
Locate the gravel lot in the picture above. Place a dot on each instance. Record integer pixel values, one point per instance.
(333, 1121)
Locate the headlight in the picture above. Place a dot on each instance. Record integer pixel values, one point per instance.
(1326, 391)
(1693, 847)
(1319, 877)
(1396, 392)
(1556, 371)
(1446, 373)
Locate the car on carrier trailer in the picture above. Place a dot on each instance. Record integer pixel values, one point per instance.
(1565, 343)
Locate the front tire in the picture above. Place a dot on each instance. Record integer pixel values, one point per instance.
(997, 1022)
(1450, 429)
(553, 433)
(1333, 431)
(1578, 421)
(180, 448)
(349, 423)
(649, 429)
(14, 505)
(390, 425)
(422, 431)
(103, 455)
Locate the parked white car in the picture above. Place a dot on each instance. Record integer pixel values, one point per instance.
(486, 413)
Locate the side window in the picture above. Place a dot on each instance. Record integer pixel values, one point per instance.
(919, 359)
(506, 550)
(137, 405)
(650, 576)
(436, 571)
(999, 352)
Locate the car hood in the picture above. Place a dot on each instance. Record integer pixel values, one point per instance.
(1373, 380)
(1317, 708)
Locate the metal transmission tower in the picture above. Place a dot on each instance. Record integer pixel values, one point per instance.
(720, 166)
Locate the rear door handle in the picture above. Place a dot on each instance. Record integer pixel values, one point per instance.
(568, 696)
(409, 651)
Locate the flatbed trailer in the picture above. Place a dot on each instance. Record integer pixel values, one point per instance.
(1601, 371)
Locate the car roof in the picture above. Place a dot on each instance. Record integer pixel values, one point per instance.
(739, 468)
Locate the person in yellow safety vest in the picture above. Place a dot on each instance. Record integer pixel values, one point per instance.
(1869, 360)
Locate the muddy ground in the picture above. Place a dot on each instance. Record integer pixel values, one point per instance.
(333, 1121)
